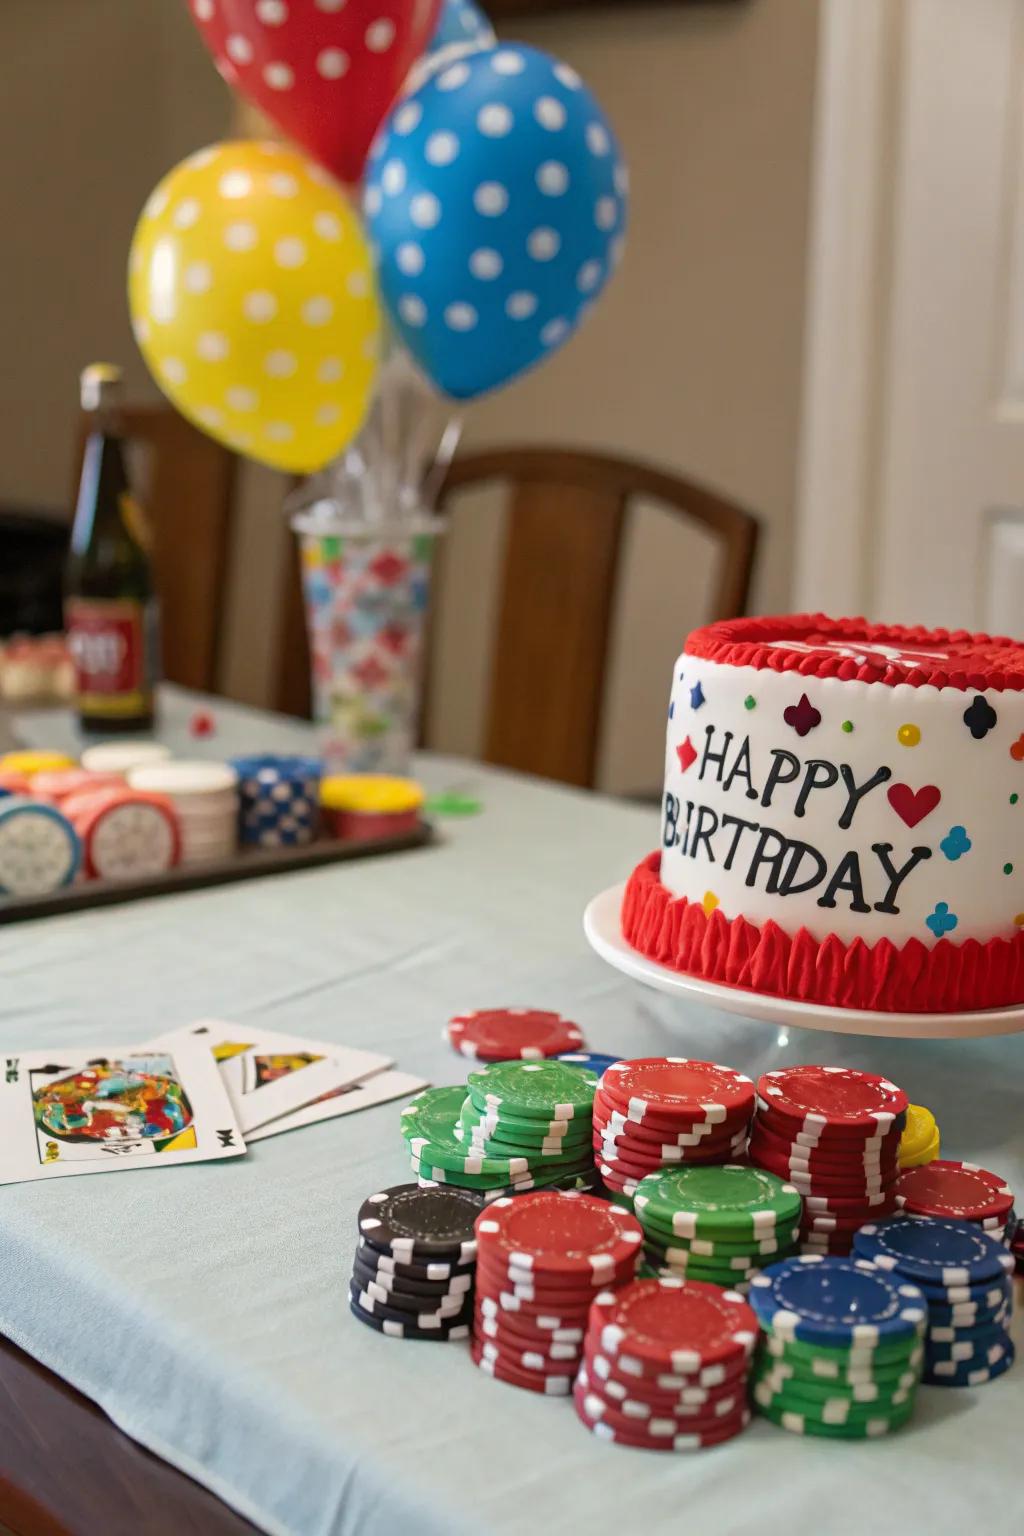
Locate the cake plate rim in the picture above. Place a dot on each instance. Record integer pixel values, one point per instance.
(603, 932)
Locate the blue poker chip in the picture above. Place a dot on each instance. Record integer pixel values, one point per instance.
(968, 1314)
(836, 1302)
(592, 1059)
(40, 851)
(975, 1347)
(944, 1254)
(278, 800)
(970, 1373)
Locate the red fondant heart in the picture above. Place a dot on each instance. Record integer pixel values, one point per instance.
(912, 805)
(1017, 750)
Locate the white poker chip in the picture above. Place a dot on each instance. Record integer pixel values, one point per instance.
(40, 851)
(122, 756)
(185, 778)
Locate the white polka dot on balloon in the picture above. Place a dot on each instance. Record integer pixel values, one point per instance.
(173, 370)
(326, 415)
(521, 305)
(239, 49)
(235, 184)
(212, 346)
(605, 213)
(327, 226)
(283, 185)
(272, 13)
(412, 310)
(240, 398)
(588, 276)
(621, 178)
(280, 431)
(554, 332)
(156, 204)
(329, 6)
(203, 9)
(280, 364)
(279, 76)
(392, 178)
(441, 148)
(550, 113)
(544, 243)
(407, 118)
(409, 259)
(451, 79)
(186, 214)
(198, 277)
(142, 330)
(598, 140)
(290, 252)
(357, 285)
(330, 370)
(568, 77)
(259, 306)
(332, 63)
(425, 210)
(380, 35)
(241, 236)
(373, 201)
(552, 178)
(460, 317)
(490, 199)
(508, 62)
(494, 120)
(486, 264)
(318, 310)
(210, 416)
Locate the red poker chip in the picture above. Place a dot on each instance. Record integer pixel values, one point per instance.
(673, 1086)
(58, 783)
(854, 1168)
(563, 1312)
(953, 1190)
(511, 1034)
(851, 1205)
(559, 1230)
(865, 1155)
(638, 1168)
(662, 1390)
(540, 1302)
(495, 1332)
(531, 1381)
(839, 1098)
(680, 1325)
(524, 1330)
(824, 1139)
(524, 1282)
(818, 1183)
(532, 1360)
(637, 1415)
(125, 833)
(684, 1439)
(672, 1130)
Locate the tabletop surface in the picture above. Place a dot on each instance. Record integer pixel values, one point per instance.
(205, 1309)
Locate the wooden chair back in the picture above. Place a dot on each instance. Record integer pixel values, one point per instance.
(189, 484)
(566, 520)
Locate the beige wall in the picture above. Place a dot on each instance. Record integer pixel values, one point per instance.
(691, 360)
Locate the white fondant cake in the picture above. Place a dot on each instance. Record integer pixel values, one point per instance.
(834, 784)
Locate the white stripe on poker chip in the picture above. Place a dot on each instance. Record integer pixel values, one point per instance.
(122, 756)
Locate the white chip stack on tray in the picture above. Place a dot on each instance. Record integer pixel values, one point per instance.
(121, 757)
(205, 797)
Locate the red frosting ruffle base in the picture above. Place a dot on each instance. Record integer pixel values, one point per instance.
(908, 978)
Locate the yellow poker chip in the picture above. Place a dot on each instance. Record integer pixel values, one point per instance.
(28, 763)
(919, 1132)
(927, 1154)
(371, 794)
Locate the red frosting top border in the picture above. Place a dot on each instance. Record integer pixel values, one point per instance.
(974, 661)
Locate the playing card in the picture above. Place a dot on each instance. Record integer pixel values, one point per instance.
(268, 1074)
(64, 1112)
(345, 1101)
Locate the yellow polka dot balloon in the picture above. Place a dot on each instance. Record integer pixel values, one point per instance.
(253, 302)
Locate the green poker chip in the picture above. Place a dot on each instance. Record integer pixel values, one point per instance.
(533, 1133)
(729, 1202)
(822, 1358)
(767, 1250)
(428, 1125)
(531, 1179)
(535, 1156)
(802, 1420)
(856, 1383)
(534, 1090)
(884, 1395)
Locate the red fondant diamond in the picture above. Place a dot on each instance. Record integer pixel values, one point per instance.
(687, 754)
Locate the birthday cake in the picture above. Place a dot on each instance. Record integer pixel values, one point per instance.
(843, 818)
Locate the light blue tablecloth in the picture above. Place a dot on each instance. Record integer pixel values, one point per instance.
(205, 1308)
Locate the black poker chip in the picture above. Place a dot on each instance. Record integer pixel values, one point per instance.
(426, 1317)
(400, 1285)
(427, 1269)
(399, 1330)
(415, 1224)
(400, 1301)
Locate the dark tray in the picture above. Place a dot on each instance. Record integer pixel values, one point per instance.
(247, 864)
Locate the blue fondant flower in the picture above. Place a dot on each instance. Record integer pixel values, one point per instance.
(942, 920)
(696, 696)
(955, 843)
(979, 717)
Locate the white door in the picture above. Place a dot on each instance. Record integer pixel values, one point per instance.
(929, 525)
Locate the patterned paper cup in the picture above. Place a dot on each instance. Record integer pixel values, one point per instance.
(366, 595)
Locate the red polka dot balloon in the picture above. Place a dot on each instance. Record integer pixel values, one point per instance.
(326, 71)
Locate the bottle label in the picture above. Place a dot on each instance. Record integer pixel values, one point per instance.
(113, 667)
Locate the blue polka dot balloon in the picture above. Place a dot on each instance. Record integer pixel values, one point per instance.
(459, 23)
(496, 198)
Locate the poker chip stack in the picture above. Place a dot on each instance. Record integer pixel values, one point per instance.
(522, 1125)
(412, 1276)
(665, 1366)
(716, 1224)
(957, 1191)
(542, 1260)
(511, 1034)
(278, 800)
(841, 1352)
(121, 757)
(667, 1109)
(40, 851)
(965, 1276)
(834, 1133)
(205, 798)
(125, 834)
(920, 1141)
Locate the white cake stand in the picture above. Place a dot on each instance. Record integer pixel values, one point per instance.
(602, 928)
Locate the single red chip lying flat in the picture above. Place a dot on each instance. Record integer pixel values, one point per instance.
(832, 1097)
(676, 1325)
(559, 1231)
(957, 1191)
(512, 1034)
(664, 1087)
